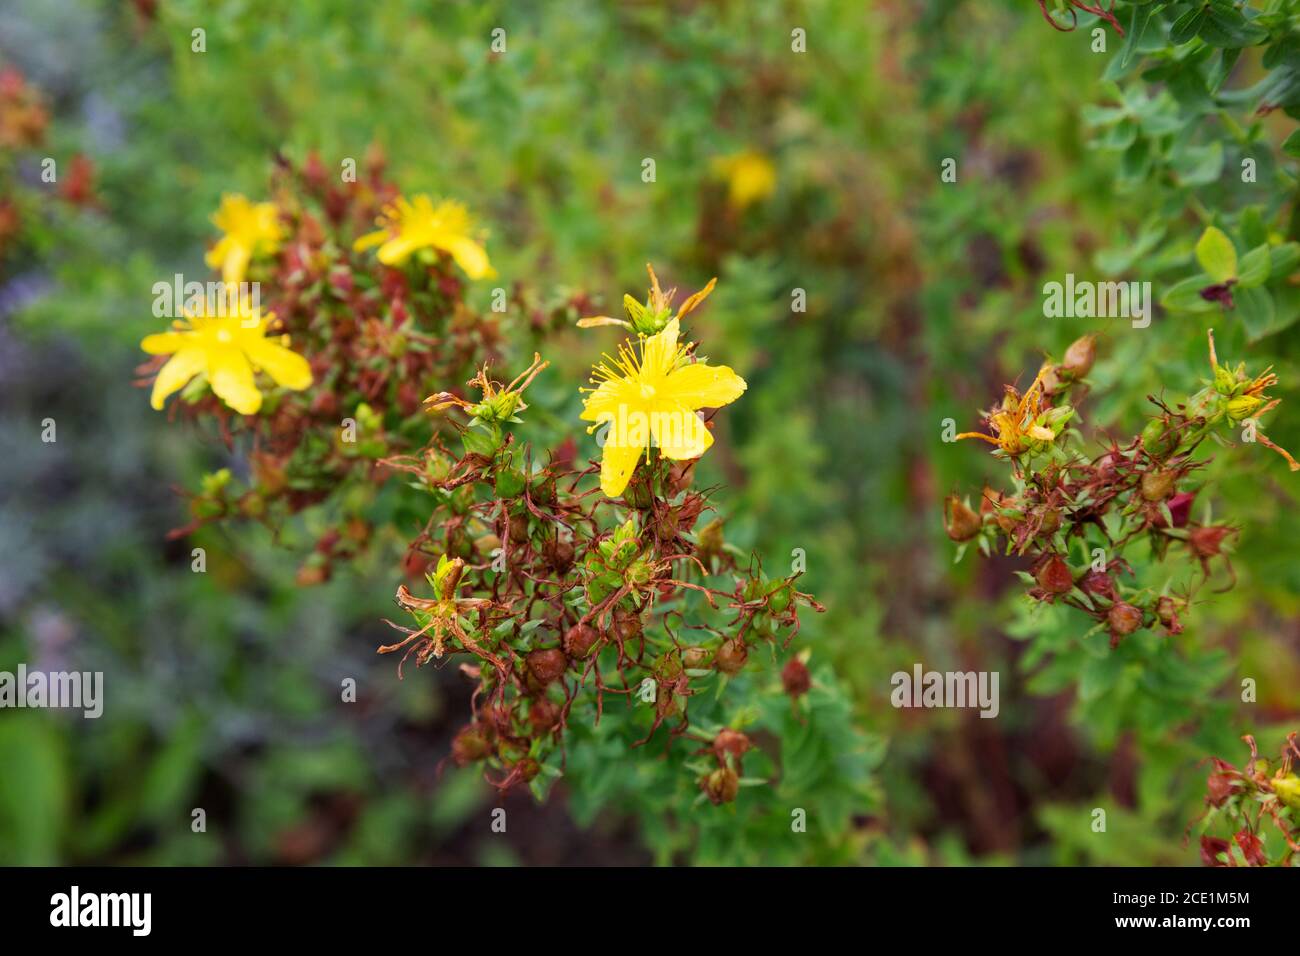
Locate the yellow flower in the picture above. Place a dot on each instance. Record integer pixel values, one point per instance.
(250, 229)
(409, 225)
(227, 349)
(651, 398)
(1024, 422)
(750, 177)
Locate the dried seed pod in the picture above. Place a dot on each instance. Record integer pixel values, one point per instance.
(547, 665)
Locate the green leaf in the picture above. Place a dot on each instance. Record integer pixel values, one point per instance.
(1291, 145)
(1188, 25)
(1255, 267)
(1255, 307)
(1283, 260)
(1216, 254)
(1185, 296)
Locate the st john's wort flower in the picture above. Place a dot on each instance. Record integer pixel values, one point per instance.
(408, 225)
(250, 229)
(651, 398)
(228, 350)
(749, 175)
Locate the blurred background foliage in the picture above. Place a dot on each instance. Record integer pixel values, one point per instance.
(922, 299)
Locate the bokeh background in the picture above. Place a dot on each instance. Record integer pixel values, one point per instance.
(922, 300)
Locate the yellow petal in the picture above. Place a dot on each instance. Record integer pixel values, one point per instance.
(605, 402)
(231, 378)
(703, 386)
(679, 432)
(180, 368)
(595, 321)
(690, 304)
(285, 366)
(616, 467)
(469, 255)
(660, 353)
(398, 249)
(163, 343)
(234, 265)
(370, 239)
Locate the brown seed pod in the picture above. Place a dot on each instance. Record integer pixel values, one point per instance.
(960, 521)
(1123, 619)
(547, 665)
(579, 640)
(731, 656)
(469, 745)
(721, 786)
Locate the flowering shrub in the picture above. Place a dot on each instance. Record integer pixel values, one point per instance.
(563, 590)
(1141, 492)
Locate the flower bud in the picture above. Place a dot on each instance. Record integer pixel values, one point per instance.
(1243, 406)
(1079, 357)
(1224, 381)
(1288, 791)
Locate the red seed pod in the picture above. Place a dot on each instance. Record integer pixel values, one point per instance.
(1207, 541)
(1099, 583)
(547, 665)
(721, 786)
(1167, 614)
(1123, 619)
(1053, 576)
(542, 714)
(795, 678)
(579, 640)
(731, 742)
(731, 656)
